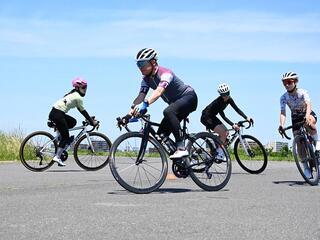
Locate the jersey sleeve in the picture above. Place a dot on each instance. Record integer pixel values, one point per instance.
(224, 117)
(165, 79)
(306, 96)
(80, 106)
(237, 109)
(283, 103)
(144, 87)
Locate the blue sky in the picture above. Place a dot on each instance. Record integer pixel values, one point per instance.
(248, 44)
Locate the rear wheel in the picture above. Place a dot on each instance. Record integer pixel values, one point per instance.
(306, 160)
(37, 151)
(143, 175)
(207, 168)
(92, 155)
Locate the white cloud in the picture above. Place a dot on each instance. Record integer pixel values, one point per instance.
(217, 35)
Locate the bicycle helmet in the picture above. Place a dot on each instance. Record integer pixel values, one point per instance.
(79, 82)
(146, 54)
(290, 75)
(223, 88)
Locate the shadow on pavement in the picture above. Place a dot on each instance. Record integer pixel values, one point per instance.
(292, 183)
(66, 171)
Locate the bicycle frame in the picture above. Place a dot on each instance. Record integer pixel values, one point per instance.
(235, 136)
(83, 131)
(148, 131)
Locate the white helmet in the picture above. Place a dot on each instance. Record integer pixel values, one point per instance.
(146, 54)
(223, 88)
(290, 75)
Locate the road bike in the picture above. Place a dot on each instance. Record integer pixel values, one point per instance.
(248, 150)
(138, 160)
(304, 152)
(90, 149)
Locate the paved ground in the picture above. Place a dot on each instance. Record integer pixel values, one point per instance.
(69, 203)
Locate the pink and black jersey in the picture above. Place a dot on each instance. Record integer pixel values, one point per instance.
(174, 87)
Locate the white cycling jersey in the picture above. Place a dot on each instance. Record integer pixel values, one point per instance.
(297, 102)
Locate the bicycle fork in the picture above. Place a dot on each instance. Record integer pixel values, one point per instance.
(143, 145)
(246, 146)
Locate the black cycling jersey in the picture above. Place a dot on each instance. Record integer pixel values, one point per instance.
(218, 105)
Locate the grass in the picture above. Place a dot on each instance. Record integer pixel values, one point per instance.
(10, 144)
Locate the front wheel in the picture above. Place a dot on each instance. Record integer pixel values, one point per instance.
(250, 154)
(210, 168)
(306, 160)
(138, 171)
(92, 153)
(37, 151)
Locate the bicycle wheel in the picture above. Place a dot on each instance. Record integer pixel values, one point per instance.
(92, 157)
(250, 154)
(37, 150)
(305, 158)
(144, 176)
(206, 169)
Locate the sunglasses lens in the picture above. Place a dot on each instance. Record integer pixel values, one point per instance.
(141, 64)
(225, 94)
(288, 82)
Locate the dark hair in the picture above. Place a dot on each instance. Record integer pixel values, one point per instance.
(72, 91)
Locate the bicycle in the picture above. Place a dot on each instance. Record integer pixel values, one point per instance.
(304, 153)
(248, 150)
(139, 163)
(90, 149)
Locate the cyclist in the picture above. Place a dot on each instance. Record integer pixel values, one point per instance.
(181, 98)
(299, 102)
(209, 115)
(63, 121)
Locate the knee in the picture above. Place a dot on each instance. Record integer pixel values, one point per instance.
(72, 123)
(167, 112)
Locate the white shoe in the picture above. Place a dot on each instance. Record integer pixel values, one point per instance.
(220, 154)
(179, 154)
(59, 161)
(307, 173)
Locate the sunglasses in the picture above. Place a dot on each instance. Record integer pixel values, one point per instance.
(227, 94)
(142, 64)
(288, 82)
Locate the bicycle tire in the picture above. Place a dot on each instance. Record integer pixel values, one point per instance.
(259, 164)
(128, 174)
(30, 155)
(310, 160)
(86, 158)
(208, 172)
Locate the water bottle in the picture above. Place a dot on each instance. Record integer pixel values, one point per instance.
(169, 145)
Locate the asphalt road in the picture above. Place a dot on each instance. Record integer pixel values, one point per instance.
(69, 203)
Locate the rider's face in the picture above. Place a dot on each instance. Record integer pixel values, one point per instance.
(289, 84)
(146, 69)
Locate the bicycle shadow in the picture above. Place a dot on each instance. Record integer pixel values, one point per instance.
(165, 191)
(63, 171)
(292, 183)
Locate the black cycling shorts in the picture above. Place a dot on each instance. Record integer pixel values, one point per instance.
(210, 122)
(299, 117)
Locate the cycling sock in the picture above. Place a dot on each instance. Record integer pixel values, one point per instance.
(59, 152)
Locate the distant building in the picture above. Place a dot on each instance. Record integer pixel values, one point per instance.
(276, 146)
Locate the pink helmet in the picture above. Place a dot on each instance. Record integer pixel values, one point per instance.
(79, 82)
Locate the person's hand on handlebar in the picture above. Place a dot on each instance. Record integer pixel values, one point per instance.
(236, 127)
(250, 120)
(140, 109)
(124, 120)
(281, 130)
